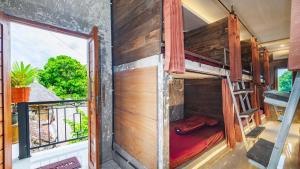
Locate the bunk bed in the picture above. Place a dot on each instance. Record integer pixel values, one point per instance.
(212, 50)
(197, 125)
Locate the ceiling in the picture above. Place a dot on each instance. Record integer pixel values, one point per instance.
(267, 20)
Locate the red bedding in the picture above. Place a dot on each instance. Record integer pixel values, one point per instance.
(185, 147)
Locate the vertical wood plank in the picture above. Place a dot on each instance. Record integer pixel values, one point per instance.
(94, 109)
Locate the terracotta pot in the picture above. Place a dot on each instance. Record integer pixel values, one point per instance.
(20, 94)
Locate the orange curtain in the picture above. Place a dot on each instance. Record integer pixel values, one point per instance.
(294, 54)
(267, 108)
(255, 61)
(267, 77)
(255, 103)
(234, 48)
(174, 38)
(232, 129)
(267, 67)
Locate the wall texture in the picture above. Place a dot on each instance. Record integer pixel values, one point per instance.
(136, 27)
(78, 16)
(176, 99)
(204, 97)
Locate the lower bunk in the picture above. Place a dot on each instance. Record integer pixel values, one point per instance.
(196, 120)
(187, 143)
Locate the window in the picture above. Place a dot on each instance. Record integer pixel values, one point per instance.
(284, 80)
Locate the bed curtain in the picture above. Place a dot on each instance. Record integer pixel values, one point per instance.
(267, 78)
(234, 48)
(174, 37)
(255, 61)
(232, 128)
(267, 67)
(255, 104)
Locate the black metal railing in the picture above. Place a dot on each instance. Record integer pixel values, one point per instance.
(46, 124)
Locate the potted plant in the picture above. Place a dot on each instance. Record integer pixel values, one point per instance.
(21, 78)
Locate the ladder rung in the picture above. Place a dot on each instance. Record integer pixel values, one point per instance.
(255, 132)
(261, 152)
(248, 112)
(242, 91)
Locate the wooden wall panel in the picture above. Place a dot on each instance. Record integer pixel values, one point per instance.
(209, 40)
(203, 96)
(246, 54)
(136, 29)
(136, 114)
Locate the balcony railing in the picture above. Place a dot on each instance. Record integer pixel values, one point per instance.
(44, 125)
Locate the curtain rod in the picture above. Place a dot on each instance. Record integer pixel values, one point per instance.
(232, 12)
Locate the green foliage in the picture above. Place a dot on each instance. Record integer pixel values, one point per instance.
(65, 76)
(285, 81)
(22, 75)
(79, 132)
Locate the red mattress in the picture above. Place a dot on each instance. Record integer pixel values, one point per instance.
(185, 147)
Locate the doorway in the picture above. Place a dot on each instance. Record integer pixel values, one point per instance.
(62, 118)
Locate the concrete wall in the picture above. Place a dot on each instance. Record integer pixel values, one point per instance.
(78, 16)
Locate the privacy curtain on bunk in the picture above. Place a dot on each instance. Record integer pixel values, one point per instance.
(294, 55)
(234, 48)
(267, 67)
(255, 61)
(232, 129)
(255, 103)
(174, 38)
(267, 78)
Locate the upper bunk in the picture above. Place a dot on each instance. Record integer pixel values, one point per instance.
(207, 50)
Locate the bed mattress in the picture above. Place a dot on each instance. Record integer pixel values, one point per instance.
(185, 147)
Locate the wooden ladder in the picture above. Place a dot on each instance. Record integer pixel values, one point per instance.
(240, 94)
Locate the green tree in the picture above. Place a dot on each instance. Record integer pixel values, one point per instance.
(65, 76)
(285, 82)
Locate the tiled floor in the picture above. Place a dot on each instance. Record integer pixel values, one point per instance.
(110, 165)
(236, 159)
(80, 150)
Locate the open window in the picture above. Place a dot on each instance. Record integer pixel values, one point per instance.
(285, 80)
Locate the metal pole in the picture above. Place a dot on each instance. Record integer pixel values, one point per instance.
(24, 140)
